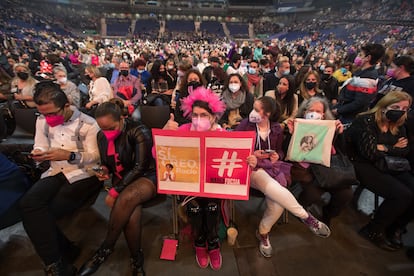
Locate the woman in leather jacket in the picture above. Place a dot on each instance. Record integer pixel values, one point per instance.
(125, 149)
(375, 134)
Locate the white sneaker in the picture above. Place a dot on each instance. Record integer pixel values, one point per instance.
(264, 246)
(317, 227)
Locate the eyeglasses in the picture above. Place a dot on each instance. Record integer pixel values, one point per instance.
(53, 113)
(201, 115)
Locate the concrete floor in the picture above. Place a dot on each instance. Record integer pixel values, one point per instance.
(297, 250)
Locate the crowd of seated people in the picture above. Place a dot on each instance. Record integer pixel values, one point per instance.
(263, 89)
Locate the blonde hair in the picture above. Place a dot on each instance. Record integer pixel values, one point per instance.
(302, 88)
(94, 70)
(392, 97)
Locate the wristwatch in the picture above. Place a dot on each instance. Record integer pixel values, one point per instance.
(72, 156)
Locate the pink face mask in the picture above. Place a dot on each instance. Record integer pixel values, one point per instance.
(111, 135)
(201, 124)
(358, 61)
(55, 120)
(391, 73)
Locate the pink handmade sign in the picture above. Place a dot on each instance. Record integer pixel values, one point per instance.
(205, 164)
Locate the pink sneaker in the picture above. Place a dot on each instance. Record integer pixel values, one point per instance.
(215, 258)
(201, 256)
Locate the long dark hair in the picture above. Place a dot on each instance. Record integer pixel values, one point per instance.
(184, 86)
(270, 106)
(155, 70)
(287, 104)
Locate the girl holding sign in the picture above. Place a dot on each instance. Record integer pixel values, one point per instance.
(270, 175)
(204, 108)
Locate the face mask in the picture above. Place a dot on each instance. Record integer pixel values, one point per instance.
(125, 57)
(111, 65)
(194, 84)
(325, 76)
(234, 87)
(266, 70)
(358, 61)
(55, 120)
(391, 73)
(124, 73)
(62, 80)
(140, 71)
(254, 117)
(310, 85)
(23, 75)
(313, 116)
(252, 71)
(201, 124)
(111, 135)
(170, 67)
(180, 73)
(286, 72)
(322, 67)
(394, 115)
(205, 61)
(88, 77)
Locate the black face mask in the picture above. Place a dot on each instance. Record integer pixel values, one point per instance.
(394, 115)
(124, 73)
(23, 75)
(194, 84)
(325, 77)
(310, 85)
(88, 77)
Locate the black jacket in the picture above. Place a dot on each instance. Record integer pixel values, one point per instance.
(357, 94)
(366, 135)
(134, 147)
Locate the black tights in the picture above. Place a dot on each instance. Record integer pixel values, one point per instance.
(204, 215)
(126, 214)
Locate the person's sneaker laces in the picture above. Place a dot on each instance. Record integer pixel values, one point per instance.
(215, 258)
(317, 227)
(264, 246)
(201, 256)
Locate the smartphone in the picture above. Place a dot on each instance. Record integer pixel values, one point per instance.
(98, 169)
(269, 151)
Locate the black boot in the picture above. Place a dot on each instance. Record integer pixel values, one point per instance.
(92, 265)
(377, 238)
(137, 264)
(60, 268)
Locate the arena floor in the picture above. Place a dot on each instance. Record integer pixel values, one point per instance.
(296, 250)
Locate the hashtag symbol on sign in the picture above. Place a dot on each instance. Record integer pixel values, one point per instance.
(227, 164)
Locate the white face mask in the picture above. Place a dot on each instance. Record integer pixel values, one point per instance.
(205, 60)
(254, 117)
(313, 116)
(234, 87)
(62, 80)
(170, 67)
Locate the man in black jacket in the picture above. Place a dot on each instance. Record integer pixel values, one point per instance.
(358, 92)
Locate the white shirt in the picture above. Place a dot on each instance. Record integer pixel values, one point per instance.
(64, 137)
(100, 90)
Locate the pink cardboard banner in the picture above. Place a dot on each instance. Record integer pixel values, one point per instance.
(204, 164)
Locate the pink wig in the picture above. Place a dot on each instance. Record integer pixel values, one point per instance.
(204, 95)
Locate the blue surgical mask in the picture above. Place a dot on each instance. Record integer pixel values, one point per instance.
(252, 71)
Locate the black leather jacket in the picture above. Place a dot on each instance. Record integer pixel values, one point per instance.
(134, 148)
(365, 136)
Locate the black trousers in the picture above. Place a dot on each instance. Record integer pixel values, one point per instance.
(397, 209)
(49, 199)
(204, 214)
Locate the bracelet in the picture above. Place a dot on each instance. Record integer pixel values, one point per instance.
(113, 193)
